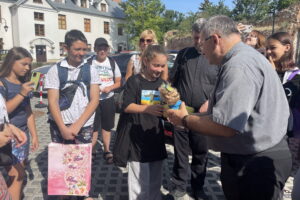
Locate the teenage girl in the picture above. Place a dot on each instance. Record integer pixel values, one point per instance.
(147, 37)
(280, 53)
(15, 88)
(147, 147)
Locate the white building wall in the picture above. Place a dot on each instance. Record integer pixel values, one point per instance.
(7, 36)
(24, 28)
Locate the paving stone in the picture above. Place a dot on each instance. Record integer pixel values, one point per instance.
(109, 182)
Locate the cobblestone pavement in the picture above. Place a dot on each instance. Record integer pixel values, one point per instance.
(109, 182)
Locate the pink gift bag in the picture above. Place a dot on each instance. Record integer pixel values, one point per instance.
(69, 169)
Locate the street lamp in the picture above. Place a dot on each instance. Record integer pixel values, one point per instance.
(5, 24)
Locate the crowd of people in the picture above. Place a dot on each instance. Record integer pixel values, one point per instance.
(244, 93)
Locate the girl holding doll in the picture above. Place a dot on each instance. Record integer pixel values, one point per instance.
(147, 147)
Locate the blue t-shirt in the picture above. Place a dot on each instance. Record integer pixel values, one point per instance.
(19, 116)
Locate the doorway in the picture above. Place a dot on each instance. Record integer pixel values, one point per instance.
(41, 53)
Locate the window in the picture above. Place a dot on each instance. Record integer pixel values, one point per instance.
(1, 43)
(120, 30)
(62, 24)
(38, 16)
(87, 25)
(61, 49)
(103, 7)
(106, 27)
(83, 3)
(39, 29)
(37, 1)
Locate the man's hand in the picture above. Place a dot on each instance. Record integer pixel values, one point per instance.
(156, 110)
(175, 116)
(204, 107)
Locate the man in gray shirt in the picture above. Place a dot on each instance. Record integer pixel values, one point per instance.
(248, 116)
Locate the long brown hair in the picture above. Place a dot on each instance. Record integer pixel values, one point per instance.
(14, 54)
(286, 62)
(261, 39)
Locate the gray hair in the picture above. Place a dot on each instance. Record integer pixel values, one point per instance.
(198, 25)
(220, 24)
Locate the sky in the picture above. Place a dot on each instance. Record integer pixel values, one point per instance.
(186, 6)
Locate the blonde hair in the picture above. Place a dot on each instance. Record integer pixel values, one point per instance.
(150, 53)
(151, 33)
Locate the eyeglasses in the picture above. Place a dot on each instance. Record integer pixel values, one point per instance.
(148, 41)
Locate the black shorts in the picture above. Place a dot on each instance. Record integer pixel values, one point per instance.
(105, 115)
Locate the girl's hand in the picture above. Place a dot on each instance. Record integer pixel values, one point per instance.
(271, 61)
(19, 135)
(156, 110)
(26, 88)
(34, 143)
(5, 136)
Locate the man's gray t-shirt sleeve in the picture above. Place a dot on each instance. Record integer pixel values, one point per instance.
(236, 96)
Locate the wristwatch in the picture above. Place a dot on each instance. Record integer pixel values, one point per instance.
(184, 121)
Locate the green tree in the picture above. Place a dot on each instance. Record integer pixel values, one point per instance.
(277, 5)
(172, 20)
(250, 10)
(141, 15)
(208, 9)
(186, 24)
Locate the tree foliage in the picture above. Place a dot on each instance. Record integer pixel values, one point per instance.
(250, 10)
(208, 9)
(172, 20)
(141, 15)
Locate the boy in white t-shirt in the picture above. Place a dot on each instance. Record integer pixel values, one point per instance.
(74, 124)
(110, 79)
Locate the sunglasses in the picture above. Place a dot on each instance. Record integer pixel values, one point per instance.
(102, 48)
(148, 41)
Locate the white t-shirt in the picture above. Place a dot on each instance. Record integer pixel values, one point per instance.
(3, 110)
(106, 75)
(80, 101)
(136, 63)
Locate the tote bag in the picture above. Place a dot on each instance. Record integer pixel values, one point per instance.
(69, 169)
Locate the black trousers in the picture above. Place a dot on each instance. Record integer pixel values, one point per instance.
(260, 176)
(184, 143)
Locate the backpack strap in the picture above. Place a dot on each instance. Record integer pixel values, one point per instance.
(2, 79)
(293, 74)
(62, 75)
(113, 66)
(83, 76)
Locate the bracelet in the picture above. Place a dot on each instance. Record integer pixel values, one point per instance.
(184, 121)
(22, 95)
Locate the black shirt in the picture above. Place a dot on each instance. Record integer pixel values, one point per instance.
(193, 77)
(146, 135)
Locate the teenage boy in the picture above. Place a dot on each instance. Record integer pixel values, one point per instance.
(74, 124)
(110, 79)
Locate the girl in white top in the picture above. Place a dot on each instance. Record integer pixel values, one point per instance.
(147, 37)
(6, 135)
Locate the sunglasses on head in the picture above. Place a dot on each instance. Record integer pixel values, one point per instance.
(148, 41)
